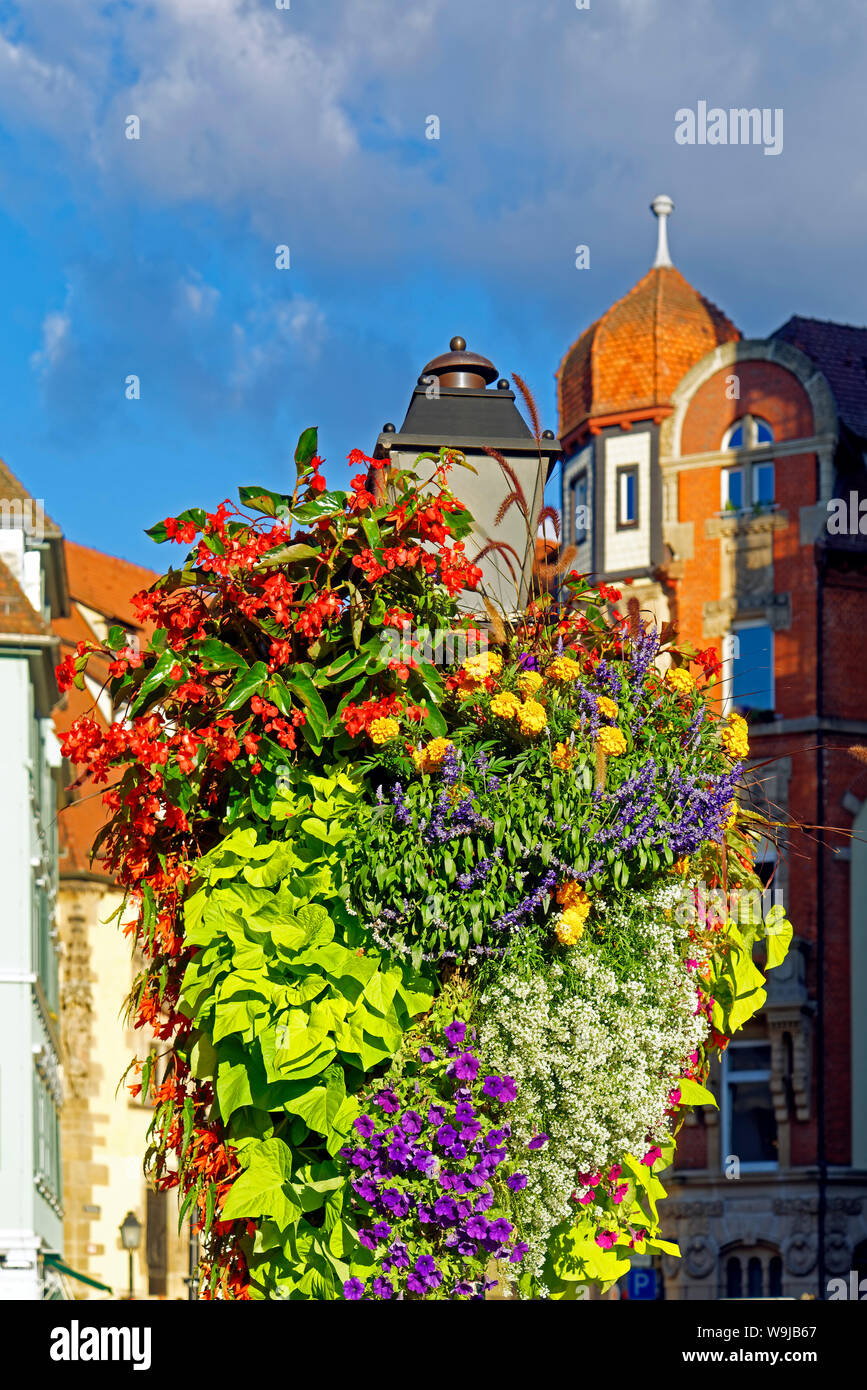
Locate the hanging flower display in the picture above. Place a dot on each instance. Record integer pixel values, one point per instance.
(433, 957)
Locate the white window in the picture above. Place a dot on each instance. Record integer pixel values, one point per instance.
(747, 484)
(580, 510)
(749, 1126)
(627, 497)
(748, 670)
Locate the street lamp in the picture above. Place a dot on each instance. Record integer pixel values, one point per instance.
(130, 1235)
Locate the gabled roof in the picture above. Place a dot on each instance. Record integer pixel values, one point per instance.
(840, 352)
(12, 490)
(18, 617)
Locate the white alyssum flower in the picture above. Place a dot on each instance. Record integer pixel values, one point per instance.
(594, 1054)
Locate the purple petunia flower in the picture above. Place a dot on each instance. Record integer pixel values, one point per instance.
(424, 1161)
(500, 1229)
(416, 1284)
(411, 1123)
(367, 1239)
(466, 1068)
(383, 1288)
(492, 1087)
(538, 1141)
(445, 1209)
(426, 1055)
(508, 1090)
(381, 1230)
(462, 1289)
(477, 1227)
(353, 1289)
(365, 1126)
(399, 1152)
(484, 1201)
(456, 1032)
(387, 1100)
(464, 1112)
(446, 1135)
(517, 1181)
(518, 1252)
(436, 1115)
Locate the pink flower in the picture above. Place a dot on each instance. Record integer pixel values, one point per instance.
(674, 1096)
(606, 1239)
(619, 1192)
(586, 1199)
(652, 1155)
(692, 964)
(614, 1172)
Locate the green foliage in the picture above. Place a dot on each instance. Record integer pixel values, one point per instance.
(290, 1018)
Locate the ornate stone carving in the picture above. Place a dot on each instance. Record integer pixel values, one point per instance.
(700, 1254)
(800, 1253)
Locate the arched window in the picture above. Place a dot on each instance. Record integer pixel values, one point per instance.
(775, 1277)
(754, 1278)
(734, 1278)
(748, 483)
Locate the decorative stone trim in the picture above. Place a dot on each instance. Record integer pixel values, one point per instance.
(726, 527)
(825, 422)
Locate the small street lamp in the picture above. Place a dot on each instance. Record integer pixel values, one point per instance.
(130, 1235)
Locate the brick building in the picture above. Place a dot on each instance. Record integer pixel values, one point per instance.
(706, 463)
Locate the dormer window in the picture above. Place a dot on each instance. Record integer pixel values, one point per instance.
(747, 484)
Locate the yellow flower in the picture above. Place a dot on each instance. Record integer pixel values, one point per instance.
(734, 738)
(570, 927)
(506, 705)
(483, 664)
(562, 757)
(563, 668)
(678, 679)
(612, 742)
(429, 759)
(731, 818)
(681, 866)
(384, 730)
(529, 682)
(532, 717)
(607, 708)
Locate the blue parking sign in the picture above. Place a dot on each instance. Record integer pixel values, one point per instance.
(641, 1283)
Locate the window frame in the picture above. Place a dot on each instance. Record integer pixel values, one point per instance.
(746, 465)
(727, 675)
(727, 1083)
(623, 471)
(579, 480)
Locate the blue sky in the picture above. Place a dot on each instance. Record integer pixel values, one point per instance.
(306, 127)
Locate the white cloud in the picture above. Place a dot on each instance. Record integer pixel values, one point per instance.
(55, 339)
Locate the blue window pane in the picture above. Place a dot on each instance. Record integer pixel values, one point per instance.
(752, 669)
(763, 483)
(734, 488)
(736, 438)
(765, 433)
(630, 497)
(579, 506)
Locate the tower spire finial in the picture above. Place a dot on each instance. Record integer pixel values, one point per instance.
(662, 207)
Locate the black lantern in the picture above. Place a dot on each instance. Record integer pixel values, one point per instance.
(457, 405)
(130, 1237)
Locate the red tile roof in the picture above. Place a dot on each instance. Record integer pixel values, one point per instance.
(18, 617)
(631, 359)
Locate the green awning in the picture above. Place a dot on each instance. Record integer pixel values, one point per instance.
(56, 1263)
